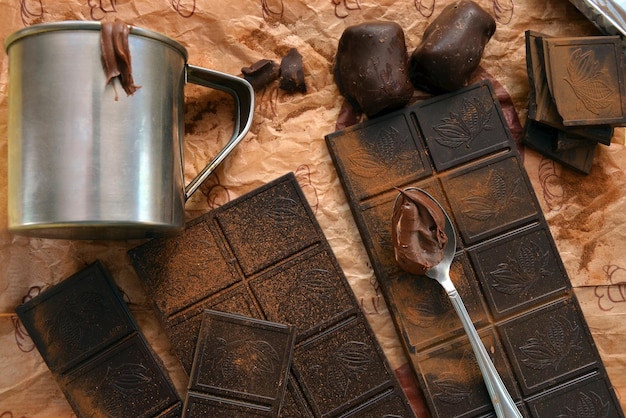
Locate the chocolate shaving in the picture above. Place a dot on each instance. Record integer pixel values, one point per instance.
(116, 55)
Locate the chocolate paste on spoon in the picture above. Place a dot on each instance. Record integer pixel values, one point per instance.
(116, 55)
(417, 231)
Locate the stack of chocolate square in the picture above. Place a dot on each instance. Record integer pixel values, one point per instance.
(577, 96)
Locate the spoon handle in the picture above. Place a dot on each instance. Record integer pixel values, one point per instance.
(502, 402)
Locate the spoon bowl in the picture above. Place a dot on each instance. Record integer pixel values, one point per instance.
(500, 398)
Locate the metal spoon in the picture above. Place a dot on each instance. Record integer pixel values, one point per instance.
(500, 398)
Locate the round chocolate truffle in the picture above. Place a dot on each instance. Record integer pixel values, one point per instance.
(451, 48)
(371, 67)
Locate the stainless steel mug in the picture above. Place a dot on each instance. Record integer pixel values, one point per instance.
(83, 165)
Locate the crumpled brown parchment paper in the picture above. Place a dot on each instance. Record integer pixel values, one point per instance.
(585, 213)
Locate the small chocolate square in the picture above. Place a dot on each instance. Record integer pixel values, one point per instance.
(541, 105)
(266, 228)
(462, 126)
(340, 367)
(387, 150)
(428, 315)
(488, 199)
(124, 380)
(76, 318)
(452, 380)
(519, 271)
(243, 359)
(548, 346)
(196, 257)
(586, 79)
(589, 395)
(306, 293)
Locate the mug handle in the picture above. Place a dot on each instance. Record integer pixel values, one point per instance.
(242, 94)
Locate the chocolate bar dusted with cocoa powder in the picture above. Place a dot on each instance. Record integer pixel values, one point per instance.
(264, 256)
(458, 148)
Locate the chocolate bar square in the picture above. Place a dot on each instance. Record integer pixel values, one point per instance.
(589, 393)
(452, 379)
(541, 105)
(506, 268)
(124, 380)
(548, 346)
(242, 359)
(489, 198)
(429, 314)
(91, 343)
(461, 127)
(285, 273)
(519, 270)
(586, 79)
(382, 153)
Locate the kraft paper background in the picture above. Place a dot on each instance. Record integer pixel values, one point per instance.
(586, 214)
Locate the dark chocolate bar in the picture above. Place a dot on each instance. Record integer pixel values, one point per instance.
(241, 362)
(91, 343)
(507, 268)
(265, 256)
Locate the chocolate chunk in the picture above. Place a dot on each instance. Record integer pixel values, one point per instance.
(292, 72)
(451, 48)
(265, 256)
(507, 268)
(239, 363)
(89, 340)
(371, 67)
(417, 231)
(544, 139)
(586, 79)
(261, 73)
(541, 105)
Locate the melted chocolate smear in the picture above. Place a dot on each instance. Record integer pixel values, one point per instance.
(418, 236)
(116, 55)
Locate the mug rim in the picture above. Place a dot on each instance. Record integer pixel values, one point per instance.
(67, 25)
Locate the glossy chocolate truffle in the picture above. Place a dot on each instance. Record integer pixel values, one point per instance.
(418, 232)
(451, 48)
(371, 67)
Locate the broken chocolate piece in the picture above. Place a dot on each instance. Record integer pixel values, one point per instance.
(451, 48)
(116, 55)
(292, 72)
(265, 256)
(371, 67)
(586, 79)
(417, 231)
(507, 268)
(239, 362)
(261, 73)
(100, 360)
(544, 139)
